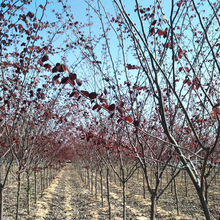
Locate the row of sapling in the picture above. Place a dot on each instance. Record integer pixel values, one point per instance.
(159, 89)
(173, 81)
(28, 99)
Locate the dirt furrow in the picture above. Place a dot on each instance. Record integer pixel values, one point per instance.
(43, 207)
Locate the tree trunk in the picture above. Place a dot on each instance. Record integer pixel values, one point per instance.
(176, 196)
(85, 176)
(144, 190)
(47, 177)
(18, 195)
(28, 193)
(88, 178)
(186, 184)
(108, 194)
(1, 201)
(153, 206)
(92, 183)
(41, 183)
(171, 187)
(204, 204)
(44, 179)
(96, 185)
(124, 199)
(137, 175)
(35, 186)
(101, 183)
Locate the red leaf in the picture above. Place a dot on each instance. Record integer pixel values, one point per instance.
(72, 76)
(71, 82)
(40, 62)
(187, 69)
(79, 82)
(75, 94)
(111, 107)
(179, 3)
(131, 67)
(154, 22)
(105, 106)
(214, 115)
(62, 68)
(42, 7)
(55, 77)
(187, 81)
(136, 123)
(152, 31)
(160, 32)
(105, 91)
(92, 95)
(47, 66)
(96, 106)
(64, 80)
(196, 83)
(55, 69)
(30, 14)
(44, 58)
(85, 93)
(180, 53)
(128, 119)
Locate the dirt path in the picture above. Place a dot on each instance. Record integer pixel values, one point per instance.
(68, 199)
(64, 199)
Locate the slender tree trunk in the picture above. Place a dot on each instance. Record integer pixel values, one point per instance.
(88, 178)
(28, 193)
(200, 193)
(144, 190)
(215, 175)
(44, 179)
(41, 183)
(47, 177)
(138, 175)
(176, 196)
(151, 176)
(96, 185)
(124, 199)
(206, 191)
(92, 183)
(101, 183)
(108, 194)
(171, 187)
(35, 186)
(50, 175)
(153, 206)
(186, 184)
(1, 201)
(204, 205)
(115, 178)
(18, 195)
(85, 176)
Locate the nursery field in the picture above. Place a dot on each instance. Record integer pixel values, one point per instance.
(70, 196)
(109, 109)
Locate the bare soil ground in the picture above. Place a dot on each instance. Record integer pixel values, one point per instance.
(67, 198)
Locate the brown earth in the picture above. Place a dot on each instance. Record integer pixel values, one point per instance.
(67, 198)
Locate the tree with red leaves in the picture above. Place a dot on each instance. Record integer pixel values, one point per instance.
(167, 74)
